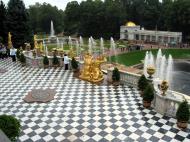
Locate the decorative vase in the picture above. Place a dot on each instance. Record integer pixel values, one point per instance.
(150, 71)
(164, 87)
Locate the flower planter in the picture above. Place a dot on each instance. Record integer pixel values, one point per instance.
(146, 104)
(55, 66)
(76, 72)
(23, 64)
(46, 66)
(141, 93)
(182, 124)
(116, 83)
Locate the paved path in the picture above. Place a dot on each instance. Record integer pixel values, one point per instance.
(81, 111)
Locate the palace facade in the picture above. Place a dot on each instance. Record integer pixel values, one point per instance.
(133, 32)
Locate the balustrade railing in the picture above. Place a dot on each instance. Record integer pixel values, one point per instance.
(166, 105)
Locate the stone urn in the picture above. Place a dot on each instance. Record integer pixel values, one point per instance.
(150, 71)
(164, 87)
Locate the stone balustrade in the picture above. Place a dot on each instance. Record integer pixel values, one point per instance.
(38, 61)
(165, 105)
(127, 78)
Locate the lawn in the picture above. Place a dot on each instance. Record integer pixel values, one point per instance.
(136, 57)
(51, 46)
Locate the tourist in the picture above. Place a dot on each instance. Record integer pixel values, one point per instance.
(66, 62)
(0, 50)
(13, 54)
(3, 51)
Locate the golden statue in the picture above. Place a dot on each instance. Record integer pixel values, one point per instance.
(86, 70)
(9, 40)
(35, 41)
(71, 53)
(41, 47)
(96, 73)
(91, 70)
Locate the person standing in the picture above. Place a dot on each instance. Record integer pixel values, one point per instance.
(66, 62)
(13, 54)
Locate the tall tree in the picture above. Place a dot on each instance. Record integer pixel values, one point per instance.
(41, 16)
(17, 22)
(3, 33)
(72, 18)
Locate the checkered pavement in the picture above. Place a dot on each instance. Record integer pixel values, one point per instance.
(80, 112)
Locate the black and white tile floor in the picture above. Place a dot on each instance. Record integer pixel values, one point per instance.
(81, 111)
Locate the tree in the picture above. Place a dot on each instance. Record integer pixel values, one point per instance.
(3, 32)
(72, 18)
(41, 16)
(17, 22)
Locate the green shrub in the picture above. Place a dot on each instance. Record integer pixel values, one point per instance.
(22, 58)
(55, 60)
(10, 126)
(148, 93)
(183, 113)
(142, 83)
(18, 54)
(116, 75)
(45, 60)
(74, 63)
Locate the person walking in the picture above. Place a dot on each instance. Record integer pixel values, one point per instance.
(13, 54)
(66, 62)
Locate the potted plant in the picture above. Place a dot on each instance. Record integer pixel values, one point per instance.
(18, 54)
(142, 84)
(74, 65)
(116, 76)
(183, 115)
(10, 126)
(22, 59)
(148, 96)
(46, 62)
(55, 61)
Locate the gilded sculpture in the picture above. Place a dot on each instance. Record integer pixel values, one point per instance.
(91, 70)
(9, 40)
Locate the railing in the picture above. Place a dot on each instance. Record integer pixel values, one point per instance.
(166, 105)
(127, 78)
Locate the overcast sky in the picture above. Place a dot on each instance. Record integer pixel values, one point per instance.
(61, 4)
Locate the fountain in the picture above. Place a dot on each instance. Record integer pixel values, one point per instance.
(163, 67)
(77, 48)
(58, 43)
(62, 47)
(113, 50)
(70, 43)
(81, 42)
(52, 31)
(90, 46)
(102, 45)
(169, 71)
(158, 62)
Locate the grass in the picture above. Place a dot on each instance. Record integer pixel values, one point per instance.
(136, 57)
(51, 46)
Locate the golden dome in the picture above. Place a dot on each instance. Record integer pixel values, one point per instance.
(130, 24)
